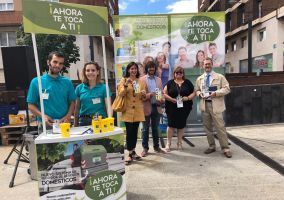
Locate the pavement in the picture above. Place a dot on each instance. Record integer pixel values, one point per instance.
(188, 174)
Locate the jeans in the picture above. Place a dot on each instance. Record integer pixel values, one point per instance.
(153, 119)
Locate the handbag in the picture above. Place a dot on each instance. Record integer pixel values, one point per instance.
(119, 104)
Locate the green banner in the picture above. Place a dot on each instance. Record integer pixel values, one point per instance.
(64, 18)
(171, 40)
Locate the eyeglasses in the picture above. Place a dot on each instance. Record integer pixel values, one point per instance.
(179, 72)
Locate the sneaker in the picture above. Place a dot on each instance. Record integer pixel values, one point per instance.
(159, 150)
(144, 153)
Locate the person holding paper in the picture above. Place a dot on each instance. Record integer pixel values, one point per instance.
(178, 93)
(57, 92)
(91, 96)
(152, 108)
(133, 90)
(211, 88)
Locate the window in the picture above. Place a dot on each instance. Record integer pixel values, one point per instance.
(241, 15)
(234, 46)
(261, 35)
(228, 22)
(6, 6)
(7, 39)
(110, 8)
(226, 48)
(259, 5)
(243, 41)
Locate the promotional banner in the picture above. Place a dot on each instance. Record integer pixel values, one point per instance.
(64, 18)
(86, 169)
(170, 40)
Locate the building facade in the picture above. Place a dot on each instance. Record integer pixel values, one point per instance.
(90, 46)
(11, 19)
(267, 19)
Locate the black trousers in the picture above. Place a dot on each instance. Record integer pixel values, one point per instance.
(131, 134)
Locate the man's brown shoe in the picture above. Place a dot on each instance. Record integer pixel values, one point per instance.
(228, 154)
(208, 151)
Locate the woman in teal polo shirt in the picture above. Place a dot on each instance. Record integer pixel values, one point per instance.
(91, 96)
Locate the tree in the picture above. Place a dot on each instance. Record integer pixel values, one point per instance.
(48, 43)
(48, 154)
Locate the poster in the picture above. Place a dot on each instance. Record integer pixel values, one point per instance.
(171, 40)
(64, 18)
(83, 169)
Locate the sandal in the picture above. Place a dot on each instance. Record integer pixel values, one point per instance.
(135, 156)
(179, 146)
(168, 147)
(129, 160)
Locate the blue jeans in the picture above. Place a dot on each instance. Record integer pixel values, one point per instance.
(153, 119)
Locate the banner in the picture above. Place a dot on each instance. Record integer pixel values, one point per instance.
(83, 169)
(64, 18)
(170, 40)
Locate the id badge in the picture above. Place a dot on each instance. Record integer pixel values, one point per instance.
(179, 102)
(96, 100)
(45, 96)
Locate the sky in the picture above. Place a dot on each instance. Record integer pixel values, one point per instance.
(138, 7)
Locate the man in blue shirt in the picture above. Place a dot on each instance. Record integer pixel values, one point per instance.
(58, 93)
(152, 108)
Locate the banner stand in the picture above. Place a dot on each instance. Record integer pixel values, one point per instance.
(106, 77)
(39, 83)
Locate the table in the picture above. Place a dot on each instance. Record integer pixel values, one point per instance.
(83, 166)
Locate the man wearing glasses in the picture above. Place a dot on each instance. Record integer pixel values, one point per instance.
(58, 93)
(211, 88)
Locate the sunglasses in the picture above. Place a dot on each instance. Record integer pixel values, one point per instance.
(179, 72)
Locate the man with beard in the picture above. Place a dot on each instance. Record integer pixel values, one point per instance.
(152, 108)
(57, 92)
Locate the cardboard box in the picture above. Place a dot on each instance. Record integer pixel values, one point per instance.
(17, 119)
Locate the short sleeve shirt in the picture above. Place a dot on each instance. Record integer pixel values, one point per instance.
(92, 101)
(59, 93)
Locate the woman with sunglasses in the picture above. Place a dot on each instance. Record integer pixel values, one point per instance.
(178, 93)
(133, 90)
(91, 96)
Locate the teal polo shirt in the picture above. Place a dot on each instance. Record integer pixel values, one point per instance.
(92, 101)
(60, 92)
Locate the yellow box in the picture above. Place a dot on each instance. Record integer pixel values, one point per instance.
(17, 119)
(104, 125)
(65, 129)
(96, 126)
(111, 124)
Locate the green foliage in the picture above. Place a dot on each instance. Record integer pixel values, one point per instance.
(48, 43)
(48, 154)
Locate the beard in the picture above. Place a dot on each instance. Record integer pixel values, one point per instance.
(53, 71)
